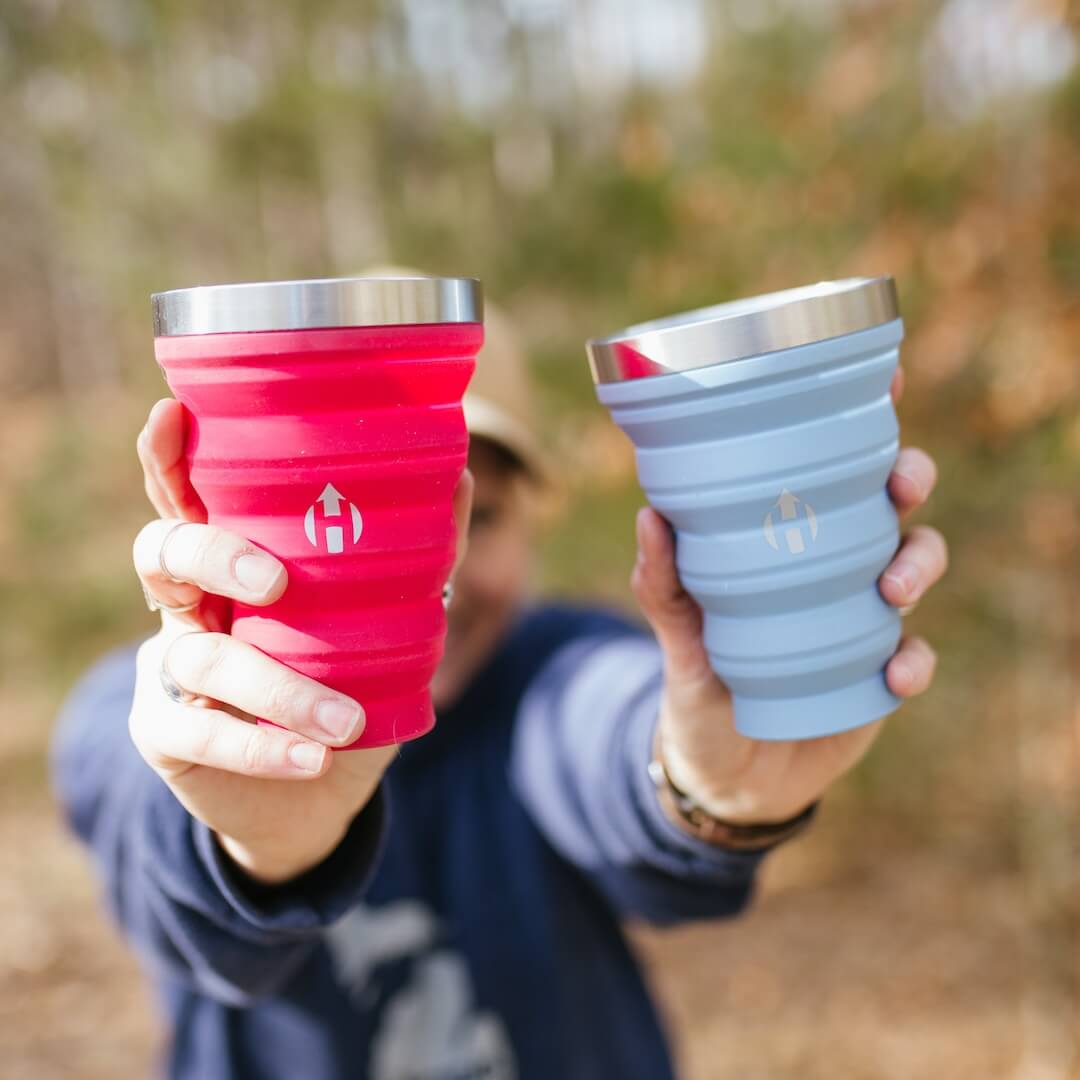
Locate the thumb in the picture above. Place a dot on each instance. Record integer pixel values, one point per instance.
(672, 612)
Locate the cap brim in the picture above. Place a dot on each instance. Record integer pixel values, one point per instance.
(486, 420)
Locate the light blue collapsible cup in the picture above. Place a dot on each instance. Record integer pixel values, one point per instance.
(765, 434)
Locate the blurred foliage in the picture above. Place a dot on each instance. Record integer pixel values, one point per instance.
(150, 144)
(596, 162)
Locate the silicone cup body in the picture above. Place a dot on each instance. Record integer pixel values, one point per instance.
(338, 451)
(773, 472)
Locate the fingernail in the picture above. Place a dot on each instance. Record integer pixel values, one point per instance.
(307, 756)
(338, 718)
(906, 575)
(257, 573)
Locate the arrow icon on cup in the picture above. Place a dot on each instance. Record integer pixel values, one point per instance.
(793, 536)
(331, 500)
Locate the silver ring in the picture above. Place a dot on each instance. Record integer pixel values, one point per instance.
(165, 571)
(152, 602)
(447, 595)
(173, 690)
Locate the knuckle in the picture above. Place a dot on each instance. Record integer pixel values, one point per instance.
(146, 655)
(943, 548)
(931, 467)
(195, 659)
(216, 649)
(144, 548)
(137, 730)
(201, 552)
(220, 548)
(215, 554)
(143, 732)
(282, 697)
(204, 739)
(922, 536)
(935, 543)
(252, 752)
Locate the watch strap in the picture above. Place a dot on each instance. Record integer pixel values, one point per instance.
(714, 830)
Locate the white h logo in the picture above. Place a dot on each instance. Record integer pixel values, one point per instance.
(331, 500)
(793, 534)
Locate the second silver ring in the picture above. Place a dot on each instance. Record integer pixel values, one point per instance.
(173, 690)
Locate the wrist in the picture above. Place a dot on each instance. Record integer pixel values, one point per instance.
(753, 833)
(273, 864)
(716, 790)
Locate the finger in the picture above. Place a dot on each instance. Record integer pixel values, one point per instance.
(922, 559)
(167, 435)
(195, 735)
(912, 479)
(160, 443)
(463, 497)
(911, 669)
(204, 557)
(161, 452)
(896, 387)
(671, 611)
(225, 669)
(155, 490)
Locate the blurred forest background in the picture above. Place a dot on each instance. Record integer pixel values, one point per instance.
(595, 162)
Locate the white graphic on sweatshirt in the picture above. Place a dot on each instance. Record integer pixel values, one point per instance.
(430, 1029)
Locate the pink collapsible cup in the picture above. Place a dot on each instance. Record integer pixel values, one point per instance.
(326, 426)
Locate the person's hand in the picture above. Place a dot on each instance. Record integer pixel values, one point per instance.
(749, 781)
(278, 800)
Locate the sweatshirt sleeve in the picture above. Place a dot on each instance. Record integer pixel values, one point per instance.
(192, 916)
(579, 762)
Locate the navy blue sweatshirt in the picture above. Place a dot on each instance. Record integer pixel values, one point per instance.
(467, 927)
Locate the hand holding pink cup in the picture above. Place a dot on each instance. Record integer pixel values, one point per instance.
(326, 427)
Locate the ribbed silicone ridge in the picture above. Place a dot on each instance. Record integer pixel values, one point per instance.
(338, 450)
(773, 471)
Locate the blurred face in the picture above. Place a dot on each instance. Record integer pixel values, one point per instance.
(491, 582)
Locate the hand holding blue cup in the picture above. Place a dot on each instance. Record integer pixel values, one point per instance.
(765, 433)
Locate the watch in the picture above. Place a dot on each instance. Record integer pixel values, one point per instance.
(712, 829)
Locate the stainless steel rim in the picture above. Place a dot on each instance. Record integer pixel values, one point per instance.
(325, 302)
(744, 328)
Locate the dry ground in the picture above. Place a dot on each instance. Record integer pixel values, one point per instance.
(893, 964)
